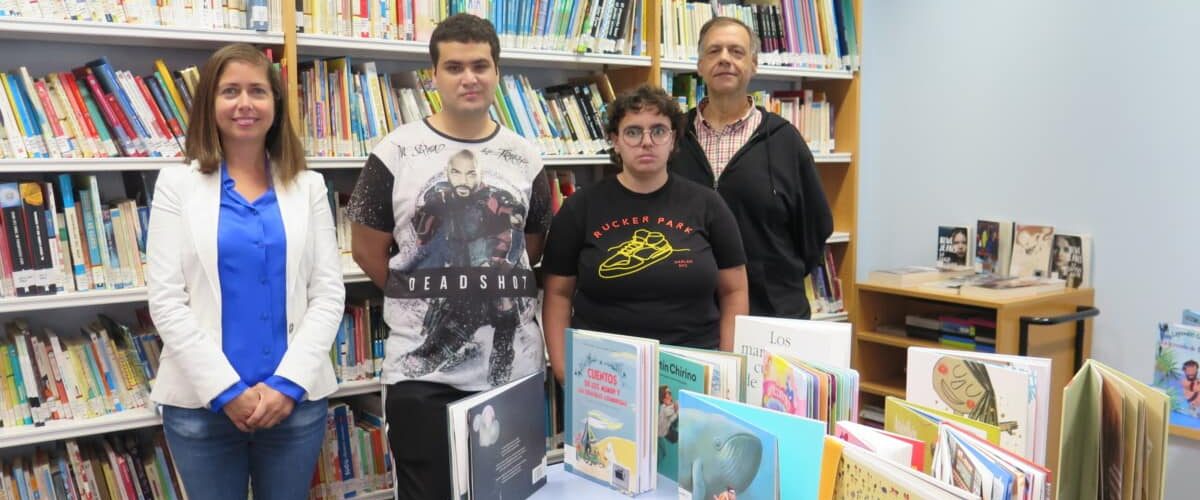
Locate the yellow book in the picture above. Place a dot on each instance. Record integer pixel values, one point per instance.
(173, 93)
(921, 423)
(831, 458)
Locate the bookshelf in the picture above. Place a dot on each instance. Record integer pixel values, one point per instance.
(881, 356)
(838, 170)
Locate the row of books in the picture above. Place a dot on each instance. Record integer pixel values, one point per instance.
(1012, 249)
(259, 15)
(120, 467)
(94, 111)
(1112, 441)
(354, 457)
(357, 352)
(624, 420)
(800, 33)
(808, 110)
(598, 26)
(57, 238)
(823, 287)
(348, 108)
(104, 369)
(972, 333)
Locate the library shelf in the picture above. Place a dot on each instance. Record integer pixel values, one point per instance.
(896, 340)
(351, 274)
(58, 430)
(356, 162)
(835, 158)
(138, 35)
(418, 51)
(882, 389)
(835, 317)
(768, 71)
(356, 387)
(72, 299)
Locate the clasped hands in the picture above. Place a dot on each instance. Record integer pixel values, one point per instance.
(260, 407)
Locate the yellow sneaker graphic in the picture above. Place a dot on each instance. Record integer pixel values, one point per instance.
(643, 250)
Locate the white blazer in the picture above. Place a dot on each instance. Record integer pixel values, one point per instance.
(185, 289)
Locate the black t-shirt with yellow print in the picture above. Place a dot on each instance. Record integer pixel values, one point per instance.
(645, 264)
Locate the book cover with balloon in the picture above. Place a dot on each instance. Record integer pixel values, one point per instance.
(611, 412)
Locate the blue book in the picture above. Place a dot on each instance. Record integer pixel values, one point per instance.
(25, 113)
(782, 442)
(611, 386)
(108, 79)
(498, 442)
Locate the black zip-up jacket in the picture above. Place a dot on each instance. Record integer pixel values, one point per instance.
(773, 190)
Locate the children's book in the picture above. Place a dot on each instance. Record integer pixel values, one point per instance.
(1114, 436)
(995, 389)
(921, 423)
(988, 471)
(1177, 371)
(742, 451)
(809, 389)
(820, 341)
(497, 441)
(853, 473)
(611, 418)
(901, 450)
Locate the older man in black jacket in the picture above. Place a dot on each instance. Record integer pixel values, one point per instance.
(763, 169)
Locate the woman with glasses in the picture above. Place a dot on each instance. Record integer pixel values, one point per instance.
(644, 253)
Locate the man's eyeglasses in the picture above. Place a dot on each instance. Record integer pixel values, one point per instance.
(632, 136)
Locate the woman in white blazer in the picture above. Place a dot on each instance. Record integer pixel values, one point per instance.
(245, 289)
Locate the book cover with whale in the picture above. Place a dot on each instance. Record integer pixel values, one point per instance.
(731, 447)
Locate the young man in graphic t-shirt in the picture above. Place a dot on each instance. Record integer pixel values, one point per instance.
(448, 215)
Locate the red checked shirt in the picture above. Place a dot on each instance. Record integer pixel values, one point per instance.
(720, 145)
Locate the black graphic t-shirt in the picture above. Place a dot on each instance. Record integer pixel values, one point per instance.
(645, 264)
(460, 296)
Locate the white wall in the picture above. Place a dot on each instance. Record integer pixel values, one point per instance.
(1082, 115)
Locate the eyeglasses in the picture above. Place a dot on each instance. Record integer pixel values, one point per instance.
(632, 136)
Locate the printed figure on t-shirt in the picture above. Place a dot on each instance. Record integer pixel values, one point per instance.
(464, 223)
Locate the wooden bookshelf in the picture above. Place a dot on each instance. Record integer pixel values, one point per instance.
(881, 358)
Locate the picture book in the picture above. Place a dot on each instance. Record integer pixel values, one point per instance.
(988, 471)
(1176, 367)
(901, 450)
(728, 370)
(1114, 436)
(611, 409)
(809, 389)
(921, 423)
(739, 450)
(861, 474)
(675, 373)
(1031, 251)
(820, 341)
(979, 388)
(497, 441)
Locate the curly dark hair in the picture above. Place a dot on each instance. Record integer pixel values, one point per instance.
(464, 28)
(641, 98)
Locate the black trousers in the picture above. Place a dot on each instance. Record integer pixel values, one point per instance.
(419, 438)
